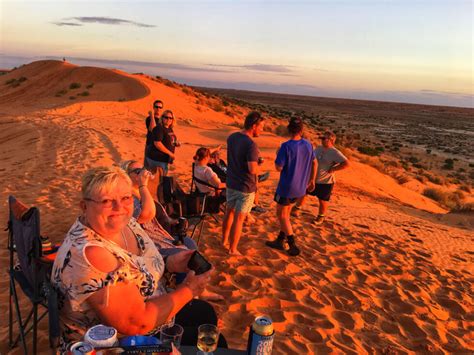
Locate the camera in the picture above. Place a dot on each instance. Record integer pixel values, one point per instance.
(198, 263)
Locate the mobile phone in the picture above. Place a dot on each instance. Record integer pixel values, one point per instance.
(198, 263)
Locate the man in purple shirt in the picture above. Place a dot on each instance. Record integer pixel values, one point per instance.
(297, 166)
(242, 170)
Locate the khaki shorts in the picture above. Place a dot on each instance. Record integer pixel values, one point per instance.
(240, 201)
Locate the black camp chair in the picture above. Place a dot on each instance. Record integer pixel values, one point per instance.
(178, 203)
(215, 201)
(31, 274)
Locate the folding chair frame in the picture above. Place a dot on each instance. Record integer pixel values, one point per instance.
(39, 292)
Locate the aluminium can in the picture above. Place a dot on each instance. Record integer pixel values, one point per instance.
(261, 336)
(81, 348)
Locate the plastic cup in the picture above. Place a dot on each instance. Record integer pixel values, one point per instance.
(173, 335)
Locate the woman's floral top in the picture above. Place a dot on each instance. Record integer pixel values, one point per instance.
(76, 279)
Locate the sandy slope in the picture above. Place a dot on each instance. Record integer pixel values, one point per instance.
(385, 272)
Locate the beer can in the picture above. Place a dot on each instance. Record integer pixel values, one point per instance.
(81, 348)
(261, 336)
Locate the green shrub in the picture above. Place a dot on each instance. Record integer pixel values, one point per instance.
(373, 152)
(186, 90)
(90, 86)
(448, 199)
(72, 97)
(61, 92)
(11, 81)
(218, 108)
(121, 99)
(448, 164)
(74, 86)
(464, 208)
(84, 93)
(22, 79)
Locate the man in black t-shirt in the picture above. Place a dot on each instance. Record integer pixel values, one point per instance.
(150, 124)
(160, 152)
(242, 170)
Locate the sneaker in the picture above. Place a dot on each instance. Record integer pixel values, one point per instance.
(277, 243)
(258, 209)
(293, 249)
(319, 220)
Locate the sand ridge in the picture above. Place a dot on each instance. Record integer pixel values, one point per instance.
(382, 274)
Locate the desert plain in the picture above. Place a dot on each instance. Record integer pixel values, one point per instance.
(390, 271)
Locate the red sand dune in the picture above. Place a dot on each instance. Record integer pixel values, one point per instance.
(388, 272)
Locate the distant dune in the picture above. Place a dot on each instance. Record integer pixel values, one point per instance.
(389, 272)
(48, 82)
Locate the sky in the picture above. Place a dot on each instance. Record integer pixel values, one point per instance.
(400, 50)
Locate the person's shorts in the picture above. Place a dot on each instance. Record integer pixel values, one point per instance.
(322, 191)
(157, 164)
(284, 201)
(240, 201)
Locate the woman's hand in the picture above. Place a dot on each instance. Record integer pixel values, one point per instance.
(179, 262)
(143, 177)
(197, 283)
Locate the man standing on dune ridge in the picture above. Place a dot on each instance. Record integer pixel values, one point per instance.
(152, 123)
(330, 160)
(242, 159)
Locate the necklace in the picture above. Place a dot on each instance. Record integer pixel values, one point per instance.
(124, 238)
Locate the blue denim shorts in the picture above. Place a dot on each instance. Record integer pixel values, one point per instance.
(240, 201)
(158, 164)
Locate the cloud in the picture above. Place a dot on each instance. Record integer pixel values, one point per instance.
(138, 65)
(260, 67)
(100, 20)
(66, 24)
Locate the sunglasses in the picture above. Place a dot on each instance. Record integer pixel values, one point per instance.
(160, 107)
(136, 171)
(167, 117)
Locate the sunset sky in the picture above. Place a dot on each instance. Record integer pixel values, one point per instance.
(409, 51)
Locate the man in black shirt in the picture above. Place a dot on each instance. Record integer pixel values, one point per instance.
(150, 124)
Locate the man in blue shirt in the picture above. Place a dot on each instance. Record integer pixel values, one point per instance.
(297, 166)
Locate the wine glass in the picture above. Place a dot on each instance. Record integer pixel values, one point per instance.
(208, 335)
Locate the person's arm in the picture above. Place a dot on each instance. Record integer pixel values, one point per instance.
(215, 181)
(252, 159)
(157, 138)
(161, 147)
(339, 167)
(137, 316)
(312, 176)
(148, 211)
(152, 122)
(280, 159)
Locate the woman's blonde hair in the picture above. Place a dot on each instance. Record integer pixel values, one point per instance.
(165, 113)
(102, 177)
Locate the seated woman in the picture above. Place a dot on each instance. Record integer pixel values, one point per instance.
(108, 271)
(144, 212)
(204, 174)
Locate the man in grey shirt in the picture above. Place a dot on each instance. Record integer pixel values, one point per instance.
(329, 161)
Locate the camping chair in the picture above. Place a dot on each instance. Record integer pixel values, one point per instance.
(31, 274)
(213, 201)
(178, 203)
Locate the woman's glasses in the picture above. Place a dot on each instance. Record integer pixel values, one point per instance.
(108, 203)
(167, 117)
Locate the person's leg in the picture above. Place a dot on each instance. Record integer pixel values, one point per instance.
(279, 242)
(323, 207)
(283, 214)
(236, 232)
(226, 225)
